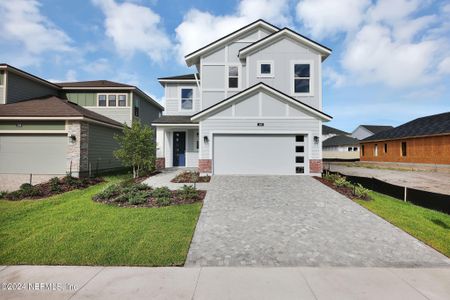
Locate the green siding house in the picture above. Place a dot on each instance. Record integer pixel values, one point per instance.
(50, 129)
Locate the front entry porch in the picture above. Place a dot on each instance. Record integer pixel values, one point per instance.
(177, 146)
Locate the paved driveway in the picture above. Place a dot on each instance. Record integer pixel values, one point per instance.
(296, 221)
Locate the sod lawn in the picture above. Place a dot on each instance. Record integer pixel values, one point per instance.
(71, 229)
(429, 226)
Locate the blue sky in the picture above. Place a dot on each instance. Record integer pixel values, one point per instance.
(390, 61)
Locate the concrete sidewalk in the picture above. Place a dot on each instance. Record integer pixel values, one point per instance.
(222, 283)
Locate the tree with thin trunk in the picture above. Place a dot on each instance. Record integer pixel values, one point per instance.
(137, 148)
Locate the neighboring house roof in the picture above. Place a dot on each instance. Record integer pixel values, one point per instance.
(93, 83)
(426, 126)
(30, 76)
(340, 140)
(377, 128)
(173, 120)
(49, 107)
(330, 130)
(325, 51)
(267, 88)
(193, 57)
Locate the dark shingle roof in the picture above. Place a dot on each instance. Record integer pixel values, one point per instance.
(430, 125)
(330, 130)
(174, 120)
(94, 83)
(51, 106)
(181, 77)
(340, 140)
(377, 128)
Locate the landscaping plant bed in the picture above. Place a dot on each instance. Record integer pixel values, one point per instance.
(344, 187)
(129, 194)
(190, 177)
(52, 187)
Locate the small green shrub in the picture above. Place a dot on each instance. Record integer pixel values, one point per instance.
(54, 185)
(141, 186)
(28, 190)
(163, 201)
(69, 180)
(162, 192)
(340, 181)
(138, 197)
(15, 195)
(109, 193)
(361, 192)
(188, 192)
(3, 194)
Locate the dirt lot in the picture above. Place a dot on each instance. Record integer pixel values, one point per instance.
(438, 182)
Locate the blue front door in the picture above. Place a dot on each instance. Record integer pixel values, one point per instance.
(179, 149)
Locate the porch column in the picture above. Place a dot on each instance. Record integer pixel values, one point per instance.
(160, 148)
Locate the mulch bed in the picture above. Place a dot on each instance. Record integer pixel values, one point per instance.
(151, 202)
(347, 192)
(47, 189)
(190, 177)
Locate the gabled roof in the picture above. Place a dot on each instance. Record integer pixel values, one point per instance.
(267, 88)
(285, 32)
(94, 83)
(168, 119)
(192, 57)
(51, 107)
(30, 76)
(426, 126)
(376, 128)
(340, 140)
(330, 130)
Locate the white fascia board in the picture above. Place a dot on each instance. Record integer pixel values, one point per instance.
(251, 90)
(189, 58)
(98, 88)
(325, 52)
(174, 125)
(177, 80)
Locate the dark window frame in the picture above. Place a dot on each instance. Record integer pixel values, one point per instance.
(404, 149)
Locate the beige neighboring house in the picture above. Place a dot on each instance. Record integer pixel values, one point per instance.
(49, 129)
(340, 147)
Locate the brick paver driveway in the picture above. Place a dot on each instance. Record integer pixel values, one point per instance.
(297, 221)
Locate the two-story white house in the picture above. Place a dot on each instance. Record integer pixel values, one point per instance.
(254, 107)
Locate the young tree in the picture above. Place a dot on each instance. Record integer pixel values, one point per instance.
(137, 148)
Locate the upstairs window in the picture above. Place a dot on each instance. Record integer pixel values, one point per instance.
(122, 100)
(187, 98)
(112, 100)
(101, 100)
(233, 77)
(302, 78)
(265, 69)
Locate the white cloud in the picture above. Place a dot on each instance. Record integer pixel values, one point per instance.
(200, 28)
(444, 66)
(332, 77)
(327, 17)
(23, 23)
(135, 28)
(98, 67)
(386, 41)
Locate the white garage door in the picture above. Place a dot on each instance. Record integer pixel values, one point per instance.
(37, 154)
(257, 154)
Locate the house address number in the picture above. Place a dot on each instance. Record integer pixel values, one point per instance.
(260, 124)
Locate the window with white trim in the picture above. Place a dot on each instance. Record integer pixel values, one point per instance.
(187, 99)
(265, 69)
(112, 100)
(302, 78)
(233, 77)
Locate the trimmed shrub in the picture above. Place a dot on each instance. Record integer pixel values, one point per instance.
(163, 201)
(28, 190)
(54, 185)
(361, 192)
(162, 192)
(138, 197)
(109, 192)
(188, 192)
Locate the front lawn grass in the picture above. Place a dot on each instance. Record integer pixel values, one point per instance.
(71, 229)
(429, 226)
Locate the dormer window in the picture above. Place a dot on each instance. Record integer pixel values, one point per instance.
(233, 77)
(265, 69)
(187, 98)
(302, 78)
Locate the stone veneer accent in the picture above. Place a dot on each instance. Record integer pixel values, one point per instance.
(77, 152)
(204, 165)
(315, 166)
(160, 163)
